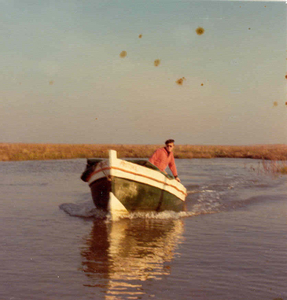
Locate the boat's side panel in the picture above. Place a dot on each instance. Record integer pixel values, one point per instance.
(133, 196)
(171, 202)
(136, 196)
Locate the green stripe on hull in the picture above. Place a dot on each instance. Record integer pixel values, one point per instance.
(134, 196)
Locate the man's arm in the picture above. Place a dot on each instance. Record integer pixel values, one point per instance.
(177, 178)
(173, 169)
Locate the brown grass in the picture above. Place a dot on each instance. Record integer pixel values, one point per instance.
(20, 151)
(274, 167)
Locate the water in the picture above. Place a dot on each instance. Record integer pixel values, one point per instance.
(230, 244)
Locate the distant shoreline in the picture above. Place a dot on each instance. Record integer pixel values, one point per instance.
(29, 151)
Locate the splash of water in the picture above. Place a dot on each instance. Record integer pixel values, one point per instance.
(88, 210)
(84, 210)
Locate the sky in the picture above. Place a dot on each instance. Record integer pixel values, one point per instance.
(85, 72)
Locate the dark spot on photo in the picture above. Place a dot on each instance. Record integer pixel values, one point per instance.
(123, 54)
(157, 62)
(200, 30)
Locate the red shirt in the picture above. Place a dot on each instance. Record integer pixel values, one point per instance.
(162, 158)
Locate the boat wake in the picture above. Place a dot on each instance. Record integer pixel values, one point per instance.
(84, 210)
(88, 210)
(200, 201)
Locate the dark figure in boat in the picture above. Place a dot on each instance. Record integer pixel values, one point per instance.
(163, 157)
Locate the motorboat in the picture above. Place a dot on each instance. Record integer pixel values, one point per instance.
(123, 186)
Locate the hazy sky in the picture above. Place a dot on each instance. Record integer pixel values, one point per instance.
(63, 79)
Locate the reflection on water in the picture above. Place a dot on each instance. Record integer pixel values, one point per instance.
(119, 256)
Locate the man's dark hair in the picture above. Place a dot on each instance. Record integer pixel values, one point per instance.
(169, 141)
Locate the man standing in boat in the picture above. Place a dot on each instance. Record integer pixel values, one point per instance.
(163, 157)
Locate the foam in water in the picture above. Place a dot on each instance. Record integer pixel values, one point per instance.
(164, 215)
(88, 210)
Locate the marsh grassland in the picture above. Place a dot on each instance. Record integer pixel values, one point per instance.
(273, 157)
(22, 151)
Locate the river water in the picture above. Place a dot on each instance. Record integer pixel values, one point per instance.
(230, 244)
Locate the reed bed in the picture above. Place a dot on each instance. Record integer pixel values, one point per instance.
(21, 151)
(274, 167)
